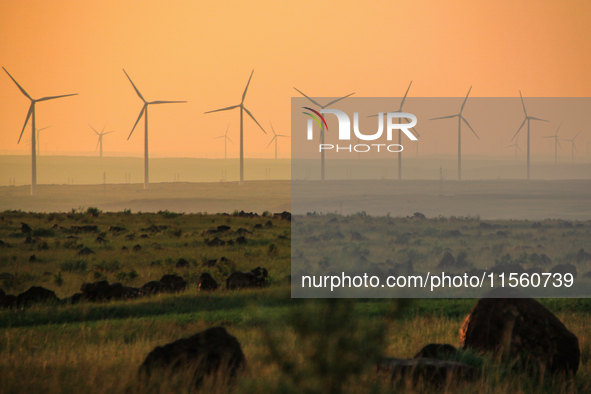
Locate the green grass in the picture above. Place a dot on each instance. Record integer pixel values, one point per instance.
(97, 348)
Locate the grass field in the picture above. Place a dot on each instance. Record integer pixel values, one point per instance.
(98, 347)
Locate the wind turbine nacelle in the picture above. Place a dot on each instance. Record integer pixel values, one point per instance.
(345, 125)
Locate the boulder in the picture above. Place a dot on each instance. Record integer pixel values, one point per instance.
(518, 327)
(447, 261)
(583, 256)
(212, 352)
(25, 228)
(429, 371)
(207, 283)
(241, 280)
(438, 351)
(182, 263)
(103, 291)
(174, 283)
(545, 260)
(35, 295)
(355, 236)
(564, 269)
(84, 252)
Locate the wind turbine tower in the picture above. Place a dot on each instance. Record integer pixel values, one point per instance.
(400, 133)
(322, 166)
(460, 119)
(527, 119)
(275, 138)
(31, 115)
(573, 148)
(144, 112)
(242, 110)
(226, 139)
(556, 143)
(100, 138)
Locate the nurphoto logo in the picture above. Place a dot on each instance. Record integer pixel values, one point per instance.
(344, 133)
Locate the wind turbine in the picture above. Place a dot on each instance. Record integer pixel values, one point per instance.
(400, 133)
(516, 148)
(322, 166)
(573, 148)
(242, 110)
(144, 112)
(100, 138)
(460, 119)
(38, 140)
(527, 118)
(226, 139)
(275, 138)
(31, 114)
(556, 143)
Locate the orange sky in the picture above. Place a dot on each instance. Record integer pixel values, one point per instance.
(203, 52)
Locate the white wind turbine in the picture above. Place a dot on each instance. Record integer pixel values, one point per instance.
(460, 119)
(400, 133)
(556, 143)
(275, 138)
(242, 110)
(100, 138)
(527, 119)
(39, 141)
(144, 112)
(322, 166)
(226, 139)
(31, 115)
(573, 148)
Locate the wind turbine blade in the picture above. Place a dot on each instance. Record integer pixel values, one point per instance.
(19, 86)
(576, 135)
(308, 98)
(281, 135)
(549, 136)
(97, 133)
(519, 148)
(221, 136)
(43, 128)
(464, 103)
(522, 103)
(138, 119)
(136, 90)
(166, 102)
(245, 89)
(519, 129)
(228, 138)
(543, 120)
(508, 146)
(558, 128)
(574, 147)
(272, 139)
(334, 101)
(223, 109)
(97, 144)
(558, 142)
(108, 132)
(468, 124)
(404, 98)
(26, 120)
(444, 117)
(56, 97)
(272, 128)
(249, 114)
(227, 128)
